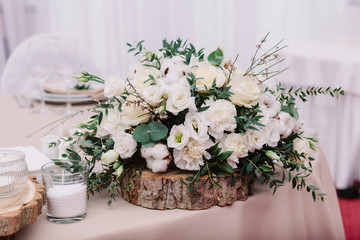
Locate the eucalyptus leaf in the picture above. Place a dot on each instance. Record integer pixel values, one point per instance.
(142, 134)
(157, 131)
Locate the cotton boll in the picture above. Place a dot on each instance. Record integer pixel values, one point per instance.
(146, 152)
(174, 65)
(269, 101)
(158, 165)
(286, 124)
(160, 151)
(273, 132)
(157, 157)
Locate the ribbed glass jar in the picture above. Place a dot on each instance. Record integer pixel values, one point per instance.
(13, 172)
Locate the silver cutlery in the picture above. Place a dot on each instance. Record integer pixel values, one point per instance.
(18, 101)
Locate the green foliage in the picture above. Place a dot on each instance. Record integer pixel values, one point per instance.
(248, 118)
(150, 134)
(216, 57)
(87, 77)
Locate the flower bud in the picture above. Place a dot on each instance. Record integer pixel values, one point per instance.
(161, 109)
(109, 157)
(272, 155)
(116, 165)
(120, 170)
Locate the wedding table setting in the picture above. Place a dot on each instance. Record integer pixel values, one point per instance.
(174, 152)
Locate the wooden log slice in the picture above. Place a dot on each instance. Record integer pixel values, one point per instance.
(167, 191)
(13, 220)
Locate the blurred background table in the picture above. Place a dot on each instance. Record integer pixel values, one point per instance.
(336, 120)
(288, 214)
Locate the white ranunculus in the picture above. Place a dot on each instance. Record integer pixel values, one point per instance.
(221, 117)
(272, 129)
(109, 157)
(245, 89)
(269, 101)
(179, 99)
(302, 145)
(113, 121)
(191, 156)
(124, 145)
(206, 73)
(175, 66)
(197, 125)
(235, 142)
(133, 114)
(141, 75)
(286, 124)
(157, 157)
(256, 139)
(114, 86)
(153, 95)
(178, 137)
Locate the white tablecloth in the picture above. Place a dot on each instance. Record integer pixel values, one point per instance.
(336, 120)
(288, 214)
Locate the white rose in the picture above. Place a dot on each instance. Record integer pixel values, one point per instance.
(302, 145)
(133, 114)
(114, 86)
(153, 95)
(220, 116)
(179, 99)
(256, 139)
(234, 142)
(124, 145)
(245, 89)
(178, 137)
(113, 121)
(109, 157)
(197, 125)
(157, 157)
(206, 73)
(191, 156)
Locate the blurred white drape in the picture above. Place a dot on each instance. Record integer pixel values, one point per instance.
(103, 27)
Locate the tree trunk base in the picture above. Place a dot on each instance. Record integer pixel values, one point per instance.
(167, 191)
(19, 216)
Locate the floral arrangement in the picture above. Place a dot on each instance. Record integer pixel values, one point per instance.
(180, 109)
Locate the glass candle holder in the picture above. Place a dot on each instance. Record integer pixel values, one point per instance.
(66, 185)
(13, 172)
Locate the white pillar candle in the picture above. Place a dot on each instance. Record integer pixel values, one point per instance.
(66, 200)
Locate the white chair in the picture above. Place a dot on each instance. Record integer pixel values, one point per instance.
(16, 78)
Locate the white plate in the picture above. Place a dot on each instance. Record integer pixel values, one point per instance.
(60, 98)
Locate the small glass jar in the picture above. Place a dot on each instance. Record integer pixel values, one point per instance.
(66, 185)
(13, 172)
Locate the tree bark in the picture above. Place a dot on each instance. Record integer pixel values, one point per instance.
(167, 191)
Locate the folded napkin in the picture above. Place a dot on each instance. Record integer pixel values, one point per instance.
(34, 159)
(59, 87)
